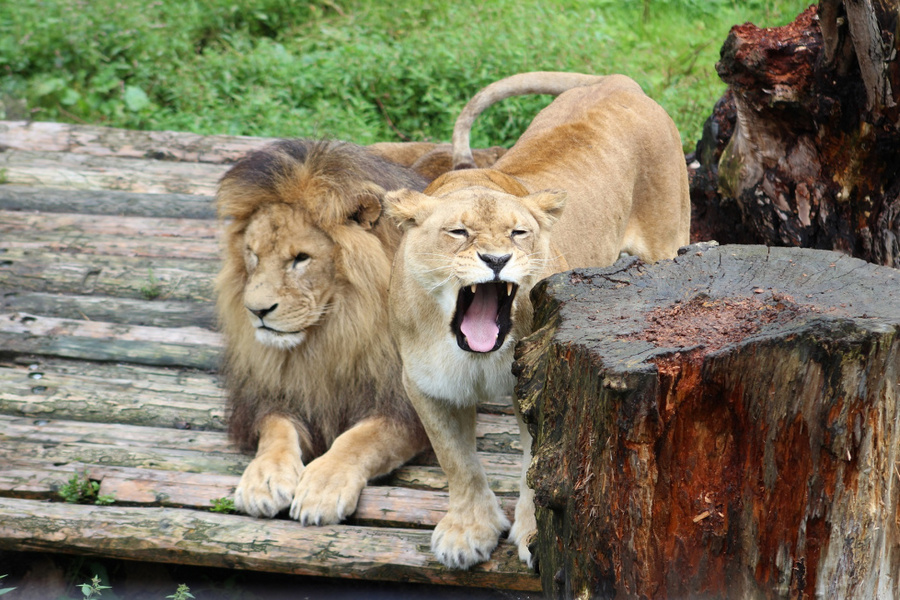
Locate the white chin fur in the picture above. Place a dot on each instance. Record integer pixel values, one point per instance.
(282, 341)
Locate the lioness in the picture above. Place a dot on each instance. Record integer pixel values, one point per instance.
(476, 241)
(312, 375)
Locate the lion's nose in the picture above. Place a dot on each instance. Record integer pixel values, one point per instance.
(496, 263)
(261, 312)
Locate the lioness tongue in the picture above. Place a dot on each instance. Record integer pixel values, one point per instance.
(479, 324)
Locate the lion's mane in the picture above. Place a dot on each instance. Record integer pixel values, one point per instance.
(347, 369)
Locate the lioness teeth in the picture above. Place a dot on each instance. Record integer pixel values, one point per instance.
(472, 288)
(509, 288)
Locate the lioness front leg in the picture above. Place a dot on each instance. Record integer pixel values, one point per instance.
(329, 488)
(525, 526)
(268, 482)
(469, 531)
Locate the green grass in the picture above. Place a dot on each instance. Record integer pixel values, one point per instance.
(360, 70)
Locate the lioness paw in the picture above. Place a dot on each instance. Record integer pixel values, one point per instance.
(326, 493)
(525, 527)
(462, 539)
(267, 486)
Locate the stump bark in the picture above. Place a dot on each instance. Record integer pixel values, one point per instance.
(804, 148)
(723, 425)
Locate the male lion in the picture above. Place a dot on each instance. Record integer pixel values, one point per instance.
(478, 240)
(310, 367)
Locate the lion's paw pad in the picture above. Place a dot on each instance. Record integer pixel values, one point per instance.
(266, 488)
(325, 495)
(460, 542)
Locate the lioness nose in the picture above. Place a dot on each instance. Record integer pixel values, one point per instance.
(261, 312)
(496, 263)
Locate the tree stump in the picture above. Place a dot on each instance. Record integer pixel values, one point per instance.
(804, 148)
(723, 425)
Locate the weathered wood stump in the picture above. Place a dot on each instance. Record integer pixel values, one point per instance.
(804, 148)
(723, 425)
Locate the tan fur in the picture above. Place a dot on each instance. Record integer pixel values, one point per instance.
(305, 247)
(431, 160)
(616, 157)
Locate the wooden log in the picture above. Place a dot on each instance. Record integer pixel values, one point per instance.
(121, 276)
(811, 159)
(107, 141)
(381, 505)
(106, 202)
(208, 539)
(726, 424)
(18, 225)
(191, 347)
(84, 172)
(126, 311)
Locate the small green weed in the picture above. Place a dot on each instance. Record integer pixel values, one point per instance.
(7, 590)
(152, 289)
(93, 589)
(182, 593)
(81, 490)
(222, 505)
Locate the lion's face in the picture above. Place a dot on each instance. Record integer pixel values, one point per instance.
(290, 275)
(474, 250)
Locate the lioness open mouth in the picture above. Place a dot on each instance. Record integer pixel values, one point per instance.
(483, 315)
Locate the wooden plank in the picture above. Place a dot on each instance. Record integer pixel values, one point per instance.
(382, 505)
(19, 225)
(105, 202)
(93, 340)
(122, 276)
(208, 539)
(85, 172)
(108, 141)
(128, 311)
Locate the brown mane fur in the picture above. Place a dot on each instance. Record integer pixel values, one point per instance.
(347, 369)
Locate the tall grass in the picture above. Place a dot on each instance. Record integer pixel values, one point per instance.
(361, 70)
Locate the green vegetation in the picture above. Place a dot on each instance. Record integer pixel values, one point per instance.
(361, 70)
(93, 589)
(223, 505)
(5, 590)
(182, 593)
(152, 289)
(80, 489)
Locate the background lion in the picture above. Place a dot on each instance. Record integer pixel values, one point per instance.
(302, 300)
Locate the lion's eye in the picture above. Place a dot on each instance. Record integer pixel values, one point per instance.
(518, 232)
(301, 258)
(458, 232)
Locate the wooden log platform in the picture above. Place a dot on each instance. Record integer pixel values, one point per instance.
(108, 357)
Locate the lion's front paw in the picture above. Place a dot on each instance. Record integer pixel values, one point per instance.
(525, 527)
(267, 485)
(327, 492)
(464, 538)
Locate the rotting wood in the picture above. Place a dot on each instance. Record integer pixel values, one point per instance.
(726, 424)
(208, 539)
(194, 230)
(83, 172)
(123, 276)
(107, 141)
(125, 311)
(106, 202)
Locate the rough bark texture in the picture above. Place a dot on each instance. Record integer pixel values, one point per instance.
(724, 425)
(804, 149)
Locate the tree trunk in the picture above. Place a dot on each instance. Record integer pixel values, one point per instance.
(724, 425)
(804, 149)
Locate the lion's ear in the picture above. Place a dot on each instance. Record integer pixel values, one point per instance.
(408, 207)
(546, 206)
(369, 209)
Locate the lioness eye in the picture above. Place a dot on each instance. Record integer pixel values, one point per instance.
(301, 258)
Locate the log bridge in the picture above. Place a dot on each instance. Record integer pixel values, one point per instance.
(108, 357)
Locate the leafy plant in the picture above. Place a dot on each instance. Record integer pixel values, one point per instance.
(93, 589)
(152, 289)
(5, 590)
(223, 505)
(182, 593)
(80, 489)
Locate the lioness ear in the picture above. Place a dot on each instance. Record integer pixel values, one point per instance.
(369, 209)
(546, 206)
(408, 207)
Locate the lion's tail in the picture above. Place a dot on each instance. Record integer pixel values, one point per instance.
(536, 82)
